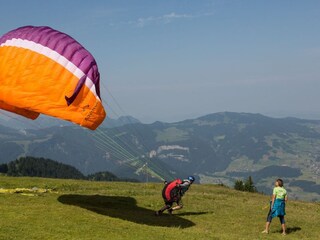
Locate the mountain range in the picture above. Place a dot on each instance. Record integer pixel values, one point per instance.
(216, 148)
(14, 121)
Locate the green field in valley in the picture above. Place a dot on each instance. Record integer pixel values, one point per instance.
(77, 209)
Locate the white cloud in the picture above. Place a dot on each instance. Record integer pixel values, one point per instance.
(164, 19)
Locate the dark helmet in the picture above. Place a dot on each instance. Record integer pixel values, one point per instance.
(191, 178)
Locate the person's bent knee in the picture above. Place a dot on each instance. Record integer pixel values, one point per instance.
(178, 207)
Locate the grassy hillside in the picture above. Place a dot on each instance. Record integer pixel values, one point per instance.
(110, 210)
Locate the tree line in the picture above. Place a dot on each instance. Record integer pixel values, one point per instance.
(245, 186)
(47, 168)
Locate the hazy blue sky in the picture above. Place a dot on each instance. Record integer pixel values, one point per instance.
(174, 59)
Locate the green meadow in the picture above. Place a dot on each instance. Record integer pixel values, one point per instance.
(77, 209)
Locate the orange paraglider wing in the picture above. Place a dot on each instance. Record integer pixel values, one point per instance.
(45, 71)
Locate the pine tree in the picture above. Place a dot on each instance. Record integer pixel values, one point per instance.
(247, 186)
(3, 168)
(239, 185)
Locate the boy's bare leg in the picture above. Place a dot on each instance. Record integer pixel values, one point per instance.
(266, 230)
(283, 226)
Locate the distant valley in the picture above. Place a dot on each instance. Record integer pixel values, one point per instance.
(218, 148)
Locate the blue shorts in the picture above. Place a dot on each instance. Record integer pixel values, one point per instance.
(281, 218)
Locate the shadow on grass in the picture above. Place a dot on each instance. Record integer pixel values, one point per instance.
(291, 230)
(190, 213)
(124, 208)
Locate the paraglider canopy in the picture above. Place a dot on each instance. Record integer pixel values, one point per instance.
(44, 71)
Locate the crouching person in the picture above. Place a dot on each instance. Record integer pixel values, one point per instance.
(173, 192)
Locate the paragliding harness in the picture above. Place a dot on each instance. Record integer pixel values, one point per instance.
(171, 191)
